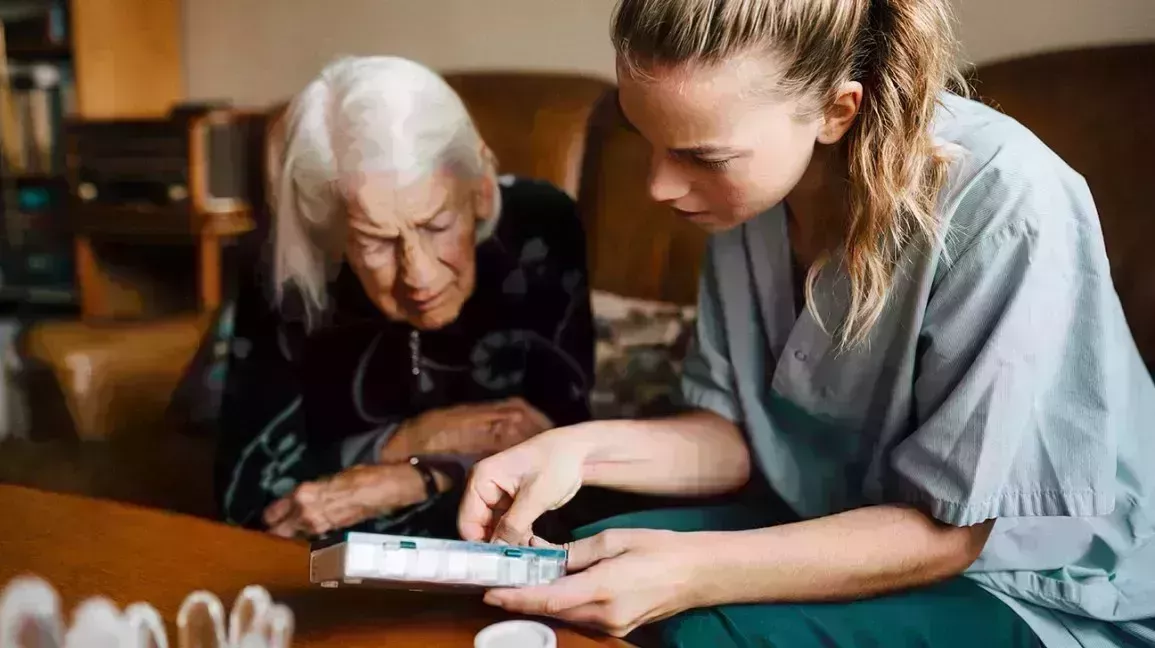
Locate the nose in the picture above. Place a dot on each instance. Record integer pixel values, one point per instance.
(418, 267)
(666, 182)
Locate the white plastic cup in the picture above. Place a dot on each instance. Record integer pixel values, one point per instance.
(516, 634)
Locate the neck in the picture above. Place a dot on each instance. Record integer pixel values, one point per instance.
(818, 203)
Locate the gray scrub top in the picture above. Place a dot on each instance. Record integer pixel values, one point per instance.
(1001, 382)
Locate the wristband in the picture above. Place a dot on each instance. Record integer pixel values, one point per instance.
(427, 476)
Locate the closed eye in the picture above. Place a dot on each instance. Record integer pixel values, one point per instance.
(704, 162)
(441, 221)
(713, 165)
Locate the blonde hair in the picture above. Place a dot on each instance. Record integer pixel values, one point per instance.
(360, 115)
(904, 53)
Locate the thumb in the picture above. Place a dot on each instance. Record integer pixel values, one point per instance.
(277, 511)
(587, 552)
(539, 496)
(580, 554)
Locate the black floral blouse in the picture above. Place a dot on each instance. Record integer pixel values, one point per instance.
(297, 405)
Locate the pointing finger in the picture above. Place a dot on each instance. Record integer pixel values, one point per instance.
(516, 526)
(480, 504)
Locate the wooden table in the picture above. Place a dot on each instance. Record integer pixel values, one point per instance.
(87, 547)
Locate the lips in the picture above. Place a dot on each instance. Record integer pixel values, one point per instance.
(690, 215)
(427, 303)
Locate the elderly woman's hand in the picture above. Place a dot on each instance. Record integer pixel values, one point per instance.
(476, 430)
(347, 498)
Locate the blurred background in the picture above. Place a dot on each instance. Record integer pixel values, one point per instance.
(132, 131)
(255, 51)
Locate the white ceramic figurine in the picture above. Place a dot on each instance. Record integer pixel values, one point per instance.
(31, 617)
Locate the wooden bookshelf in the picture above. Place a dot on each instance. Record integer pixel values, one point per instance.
(124, 60)
(40, 52)
(128, 65)
(127, 57)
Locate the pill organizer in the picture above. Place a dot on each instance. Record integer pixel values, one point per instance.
(368, 559)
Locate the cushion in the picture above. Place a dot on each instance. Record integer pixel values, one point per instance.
(640, 346)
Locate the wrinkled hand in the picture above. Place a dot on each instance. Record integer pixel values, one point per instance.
(476, 429)
(351, 496)
(509, 491)
(624, 579)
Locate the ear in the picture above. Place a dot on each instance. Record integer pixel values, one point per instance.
(839, 117)
(483, 197)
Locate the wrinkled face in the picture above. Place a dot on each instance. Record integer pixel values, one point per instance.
(413, 246)
(722, 153)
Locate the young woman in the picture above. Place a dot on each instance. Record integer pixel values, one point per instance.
(907, 330)
(412, 312)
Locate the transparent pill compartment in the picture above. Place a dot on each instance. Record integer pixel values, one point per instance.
(427, 563)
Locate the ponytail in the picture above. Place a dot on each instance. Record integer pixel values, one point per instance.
(907, 56)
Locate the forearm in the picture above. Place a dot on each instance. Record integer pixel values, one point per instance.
(384, 490)
(861, 553)
(695, 454)
(350, 497)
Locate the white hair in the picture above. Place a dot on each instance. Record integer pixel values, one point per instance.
(360, 115)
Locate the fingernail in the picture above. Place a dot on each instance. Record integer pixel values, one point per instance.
(500, 542)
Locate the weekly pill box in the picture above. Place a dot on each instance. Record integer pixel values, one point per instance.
(367, 559)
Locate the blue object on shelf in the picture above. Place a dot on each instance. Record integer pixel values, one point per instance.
(34, 198)
(57, 23)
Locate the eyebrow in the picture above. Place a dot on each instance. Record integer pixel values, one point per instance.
(692, 151)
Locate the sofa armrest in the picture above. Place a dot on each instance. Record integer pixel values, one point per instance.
(114, 379)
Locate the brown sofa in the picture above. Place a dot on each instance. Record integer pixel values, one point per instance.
(1082, 103)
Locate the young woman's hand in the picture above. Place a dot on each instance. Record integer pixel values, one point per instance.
(347, 498)
(476, 429)
(508, 492)
(619, 580)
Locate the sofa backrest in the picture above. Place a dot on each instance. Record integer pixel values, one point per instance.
(636, 247)
(1093, 108)
(535, 123)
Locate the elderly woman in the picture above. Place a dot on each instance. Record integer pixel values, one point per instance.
(410, 313)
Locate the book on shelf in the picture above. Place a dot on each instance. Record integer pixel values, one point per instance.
(36, 96)
(38, 113)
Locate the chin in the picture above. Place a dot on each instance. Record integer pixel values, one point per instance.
(716, 225)
(736, 218)
(435, 319)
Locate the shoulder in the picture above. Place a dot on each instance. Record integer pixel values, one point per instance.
(528, 203)
(529, 194)
(252, 275)
(536, 213)
(1005, 183)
